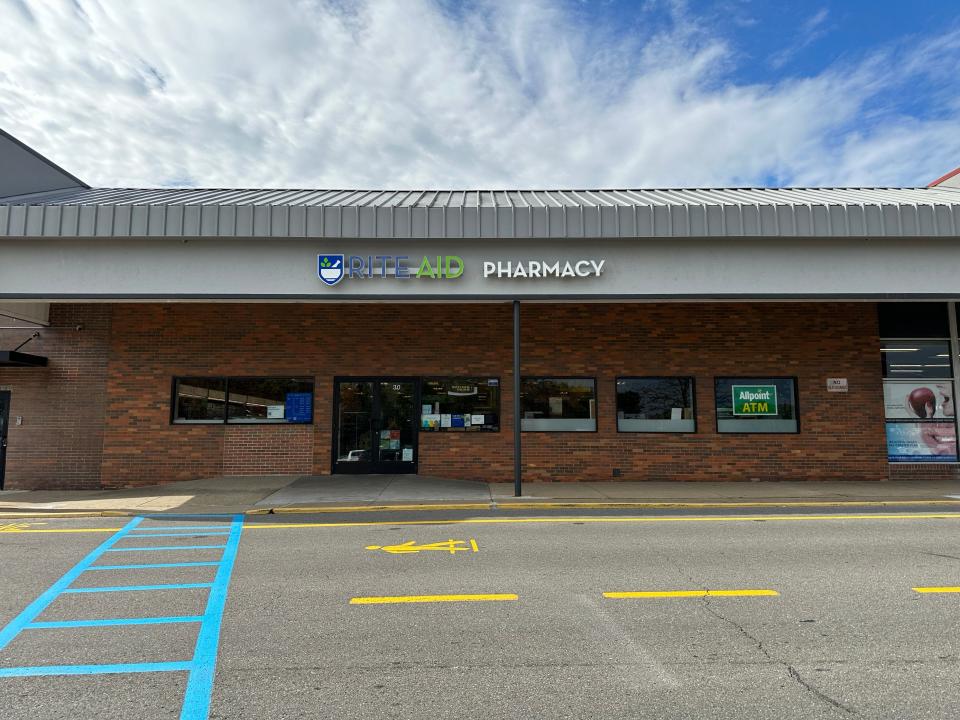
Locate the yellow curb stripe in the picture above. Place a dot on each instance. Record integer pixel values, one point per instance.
(643, 519)
(377, 508)
(514, 505)
(744, 504)
(554, 520)
(690, 594)
(389, 600)
(937, 589)
(605, 505)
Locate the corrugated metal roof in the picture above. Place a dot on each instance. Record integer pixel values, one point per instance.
(691, 212)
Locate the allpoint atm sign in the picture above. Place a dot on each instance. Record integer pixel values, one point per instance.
(754, 400)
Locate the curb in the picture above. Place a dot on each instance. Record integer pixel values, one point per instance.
(493, 505)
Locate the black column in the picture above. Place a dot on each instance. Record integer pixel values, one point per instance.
(516, 399)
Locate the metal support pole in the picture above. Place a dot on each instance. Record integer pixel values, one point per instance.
(516, 399)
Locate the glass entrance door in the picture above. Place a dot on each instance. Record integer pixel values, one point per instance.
(375, 425)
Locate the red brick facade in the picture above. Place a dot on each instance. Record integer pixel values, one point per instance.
(100, 414)
(60, 442)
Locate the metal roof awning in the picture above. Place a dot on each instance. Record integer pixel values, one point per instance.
(478, 214)
(12, 358)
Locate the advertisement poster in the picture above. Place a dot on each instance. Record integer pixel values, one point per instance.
(921, 442)
(430, 421)
(918, 399)
(299, 407)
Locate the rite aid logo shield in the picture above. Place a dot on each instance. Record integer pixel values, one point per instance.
(330, 268)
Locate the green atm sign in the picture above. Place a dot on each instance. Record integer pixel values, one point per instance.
(753, 400)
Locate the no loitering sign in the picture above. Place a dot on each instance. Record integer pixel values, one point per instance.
(754, 400)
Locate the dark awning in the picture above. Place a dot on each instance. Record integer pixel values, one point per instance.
(12, 358)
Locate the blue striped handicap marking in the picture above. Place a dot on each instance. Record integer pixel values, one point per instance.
(147, 531)
(201, 667)
(196, 701)
(122, 588)
(167, 547)
(115, 621)
(26, 617)
(146, 566)
(44, 670)
(198, 533)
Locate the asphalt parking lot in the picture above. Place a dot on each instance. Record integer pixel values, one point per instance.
(797, 612)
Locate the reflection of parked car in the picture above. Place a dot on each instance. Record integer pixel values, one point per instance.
(355, 456)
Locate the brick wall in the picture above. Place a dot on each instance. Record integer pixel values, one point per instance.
(62, 405)
(842, 434)
(924, 471)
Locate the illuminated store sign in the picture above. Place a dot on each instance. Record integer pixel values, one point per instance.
(543, 269)
(334, 268)
(331, 269)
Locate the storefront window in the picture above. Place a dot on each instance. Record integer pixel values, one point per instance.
(460, 404)
(199, 400)
(270, 400)
(558, 404)
(906, 359)
(246, 400)
(655, 404)
(756, 405)
(918, 401)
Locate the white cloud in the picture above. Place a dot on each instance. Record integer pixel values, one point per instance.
(407, 93)
(809, 32)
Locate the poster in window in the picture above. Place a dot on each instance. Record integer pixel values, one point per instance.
(918, 400)
(921, 442)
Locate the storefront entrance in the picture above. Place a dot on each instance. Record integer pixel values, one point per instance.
(4, 421)
(375, 423)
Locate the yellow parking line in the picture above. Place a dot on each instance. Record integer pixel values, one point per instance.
(690, 594)
(64, 530)
(389, 600)
(937, 589)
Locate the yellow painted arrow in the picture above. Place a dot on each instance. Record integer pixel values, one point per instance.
(16, 527)
(410, 547)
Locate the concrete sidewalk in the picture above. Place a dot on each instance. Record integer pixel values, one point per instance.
(287, 493)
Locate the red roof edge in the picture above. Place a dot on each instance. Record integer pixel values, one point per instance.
(945, 177)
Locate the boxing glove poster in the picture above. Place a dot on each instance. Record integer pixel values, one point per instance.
(918, 400)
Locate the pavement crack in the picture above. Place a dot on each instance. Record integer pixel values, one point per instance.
(939, 555)
(791, 671)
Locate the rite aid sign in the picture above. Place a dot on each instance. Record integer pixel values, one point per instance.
(331, 269)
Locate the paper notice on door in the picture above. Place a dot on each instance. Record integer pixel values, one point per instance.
(446, 420)
(407, 455)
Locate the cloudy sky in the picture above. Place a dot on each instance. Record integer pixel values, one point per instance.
(485, 93)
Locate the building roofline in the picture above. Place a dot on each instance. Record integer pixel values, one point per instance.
(47, 161)
(943, 179)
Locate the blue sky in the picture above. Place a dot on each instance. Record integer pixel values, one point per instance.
(486, 93)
